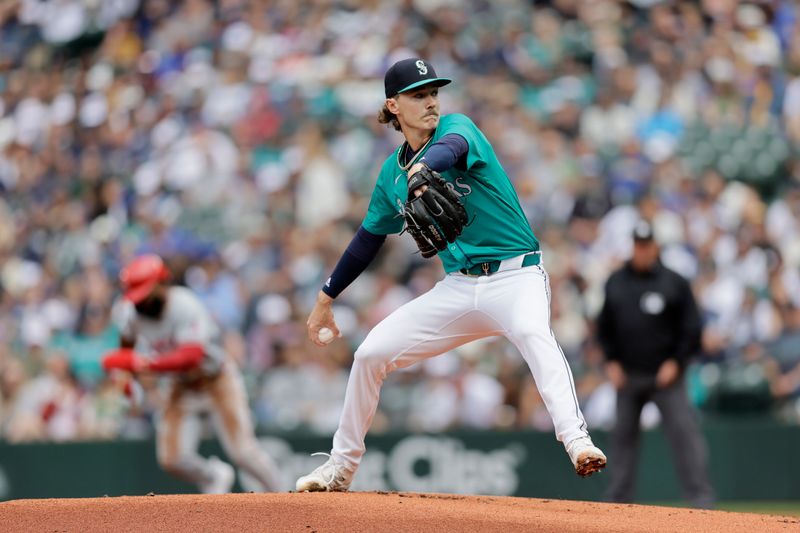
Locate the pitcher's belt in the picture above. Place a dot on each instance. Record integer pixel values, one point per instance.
(513, 263)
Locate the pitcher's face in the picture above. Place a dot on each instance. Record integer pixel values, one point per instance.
(417, 109)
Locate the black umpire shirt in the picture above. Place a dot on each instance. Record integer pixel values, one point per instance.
(648, 317)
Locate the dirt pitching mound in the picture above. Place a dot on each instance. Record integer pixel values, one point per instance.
(365, 511)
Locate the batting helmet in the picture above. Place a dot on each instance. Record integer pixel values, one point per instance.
(141, 276)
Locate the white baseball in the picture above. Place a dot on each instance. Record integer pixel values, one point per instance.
(325, 335)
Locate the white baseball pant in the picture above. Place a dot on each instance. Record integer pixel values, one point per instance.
(457, 310)
(178, 430)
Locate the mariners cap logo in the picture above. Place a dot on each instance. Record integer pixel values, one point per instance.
(409, 74)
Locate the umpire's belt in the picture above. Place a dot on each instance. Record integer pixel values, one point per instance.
(513, 263)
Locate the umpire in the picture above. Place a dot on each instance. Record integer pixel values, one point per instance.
(648, 328)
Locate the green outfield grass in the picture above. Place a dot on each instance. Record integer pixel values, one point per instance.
(784, 508)
(788, 508)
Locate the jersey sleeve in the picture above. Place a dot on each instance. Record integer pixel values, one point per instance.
(193, 324)
(479, 147)
(383, 216)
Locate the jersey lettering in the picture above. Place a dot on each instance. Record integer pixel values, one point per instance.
(453, 189)
(464, 186)
(161, 346)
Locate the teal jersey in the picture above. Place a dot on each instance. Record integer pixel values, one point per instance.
(498, 227)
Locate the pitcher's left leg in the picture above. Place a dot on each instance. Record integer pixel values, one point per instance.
(520, 302)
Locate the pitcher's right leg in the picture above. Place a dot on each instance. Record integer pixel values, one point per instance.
(435, 322)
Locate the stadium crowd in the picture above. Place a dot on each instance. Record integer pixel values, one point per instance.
(238, 139)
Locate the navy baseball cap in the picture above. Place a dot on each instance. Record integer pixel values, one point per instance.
(410, 74)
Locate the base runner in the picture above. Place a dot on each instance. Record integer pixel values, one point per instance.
(166, 330)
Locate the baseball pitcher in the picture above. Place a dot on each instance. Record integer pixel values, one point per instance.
(166, 330)
(445, 187)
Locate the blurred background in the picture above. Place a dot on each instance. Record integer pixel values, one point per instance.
(239, 141)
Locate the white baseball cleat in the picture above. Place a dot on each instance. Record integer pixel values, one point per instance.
(222, 477)
(585, 456)
(328, 477)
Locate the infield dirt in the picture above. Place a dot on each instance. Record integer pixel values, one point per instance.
(366, 512)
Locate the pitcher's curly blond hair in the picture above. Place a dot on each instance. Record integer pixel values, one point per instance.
(387, 117)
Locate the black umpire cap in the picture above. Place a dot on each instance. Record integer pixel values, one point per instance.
(643, 231)
(410, 74)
